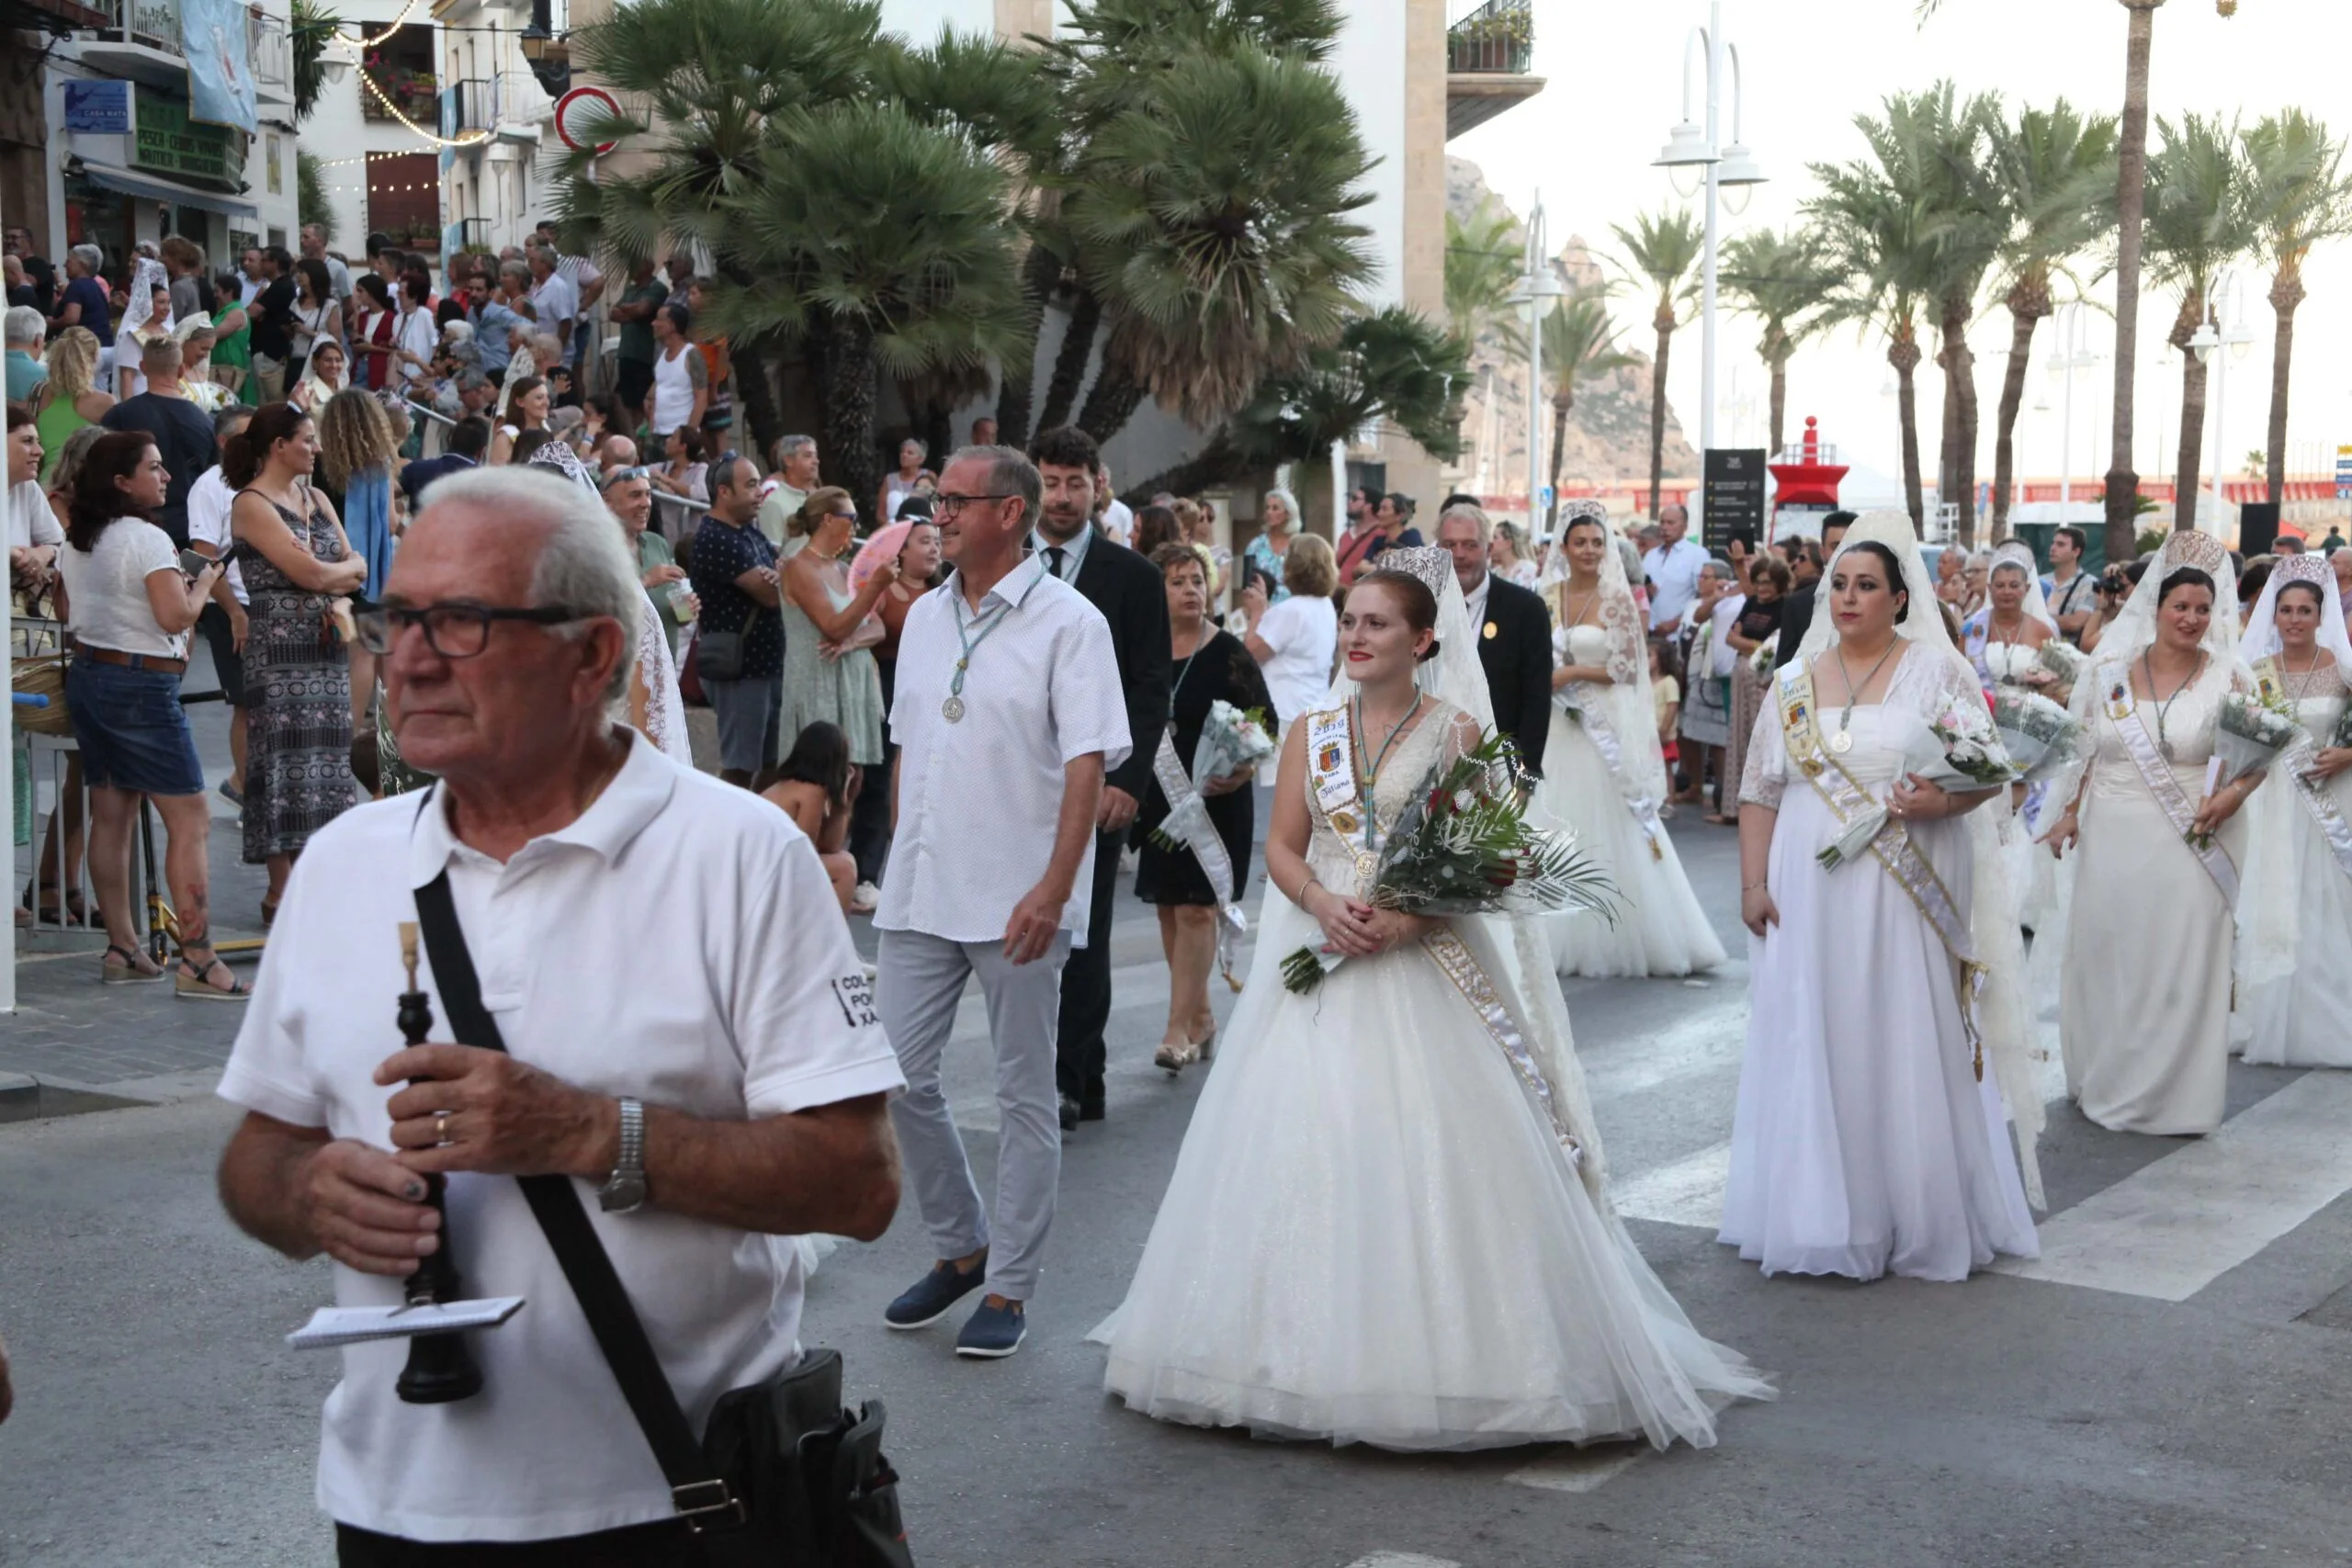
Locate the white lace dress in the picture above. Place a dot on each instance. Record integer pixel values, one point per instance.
(1659, 928)
(665, 706)
(2302, 1018)
(1372, 1235)
(1863, 1144)
(2144, 1004)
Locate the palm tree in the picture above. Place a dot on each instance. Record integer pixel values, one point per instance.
(2198, 223)
(1883, 241)
(2301, 196)
(1784, 281)
(2130, 198)
(310, 28)
(1214, 220)
(2054, 171)
(1663, 251)
(1578, 345)
(1482, 263)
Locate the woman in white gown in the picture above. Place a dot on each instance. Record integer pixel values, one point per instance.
(2295, 917)
(1870, 1134)
(1604, 777)
(2004, 641)
(2145, 1002)
(1389, 1222)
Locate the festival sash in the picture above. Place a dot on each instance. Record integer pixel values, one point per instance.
(1847, 801)
(2123, 710)
(1188, 823)
(2318, 799)
(1331, 778)
(1593, 715)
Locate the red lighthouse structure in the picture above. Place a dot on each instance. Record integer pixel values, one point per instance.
(1812, 480)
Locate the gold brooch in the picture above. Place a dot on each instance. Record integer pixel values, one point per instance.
(1490, 628)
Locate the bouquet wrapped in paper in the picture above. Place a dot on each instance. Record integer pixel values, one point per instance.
(2249, 737)
(2040, 735)
(1464, 847)
(1958, 749)
(1767, 654)
(1232, 739)
(2063, 659)
(2342, 735)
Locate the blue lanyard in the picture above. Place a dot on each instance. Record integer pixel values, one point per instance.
(986, 624)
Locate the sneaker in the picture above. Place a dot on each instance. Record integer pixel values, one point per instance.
(993, 1333)
(930, 1298)
(231, 793)
(864, 898)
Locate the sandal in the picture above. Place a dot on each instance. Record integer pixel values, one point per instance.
(1175, 1055)
(135, 968)
(269, 913)
(190, 981)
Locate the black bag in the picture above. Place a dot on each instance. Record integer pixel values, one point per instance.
(718, 656)
(785, 1477)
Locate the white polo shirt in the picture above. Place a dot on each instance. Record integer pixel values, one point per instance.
(979, 800)
(210, 501)
(678, 942)
(1674, 579)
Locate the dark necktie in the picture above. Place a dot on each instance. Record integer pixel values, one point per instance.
(1054, 554)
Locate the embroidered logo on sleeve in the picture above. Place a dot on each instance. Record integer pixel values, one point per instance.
(855, 994)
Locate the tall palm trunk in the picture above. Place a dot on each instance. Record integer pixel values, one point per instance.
(1663, 321)
(1069, 362)
(1904, 355)
(1110, 402)
(1778, 363)
(850, 456)
(2132, 203)
(1039, 271)
(1562, 402)
(1960, 390)
(2287, 297)
(2192, 412)
(2028, 302)
(1947, 445)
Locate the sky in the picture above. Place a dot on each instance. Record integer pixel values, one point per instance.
(1613, 93)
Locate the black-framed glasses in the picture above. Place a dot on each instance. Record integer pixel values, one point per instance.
(453, 631)
(946, 505)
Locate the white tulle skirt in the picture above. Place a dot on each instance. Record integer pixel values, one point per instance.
(1863, 1144)
(1371, 1235)
(1659, 930)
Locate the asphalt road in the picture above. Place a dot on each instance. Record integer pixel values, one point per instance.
(2190, 1410)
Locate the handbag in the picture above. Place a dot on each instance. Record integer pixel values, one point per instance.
(784, 1477)
(41, 675)
(718, 656)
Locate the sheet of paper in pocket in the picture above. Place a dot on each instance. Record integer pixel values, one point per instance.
(331, 1326)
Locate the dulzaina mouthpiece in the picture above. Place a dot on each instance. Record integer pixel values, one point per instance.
(408, 951)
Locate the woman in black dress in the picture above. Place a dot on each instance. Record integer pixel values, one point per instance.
(1209, 665)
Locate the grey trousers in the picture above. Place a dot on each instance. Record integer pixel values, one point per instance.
(919, 979)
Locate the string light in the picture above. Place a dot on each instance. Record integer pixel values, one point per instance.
(394, 110)
(398, 23)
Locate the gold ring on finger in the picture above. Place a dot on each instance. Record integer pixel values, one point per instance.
(441, 1128)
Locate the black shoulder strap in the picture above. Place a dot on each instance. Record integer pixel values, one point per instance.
(695, 1487)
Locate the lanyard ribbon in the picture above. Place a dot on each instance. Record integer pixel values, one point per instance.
(1848, 800)
(2123, 709)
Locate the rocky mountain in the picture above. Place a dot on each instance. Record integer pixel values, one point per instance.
(1608, 433)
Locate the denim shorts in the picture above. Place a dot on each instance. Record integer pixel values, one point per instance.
(132, 729)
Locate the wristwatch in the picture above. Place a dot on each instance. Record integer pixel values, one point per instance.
(624, 1191)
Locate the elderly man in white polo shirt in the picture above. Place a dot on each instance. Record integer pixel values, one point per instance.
(705, 1091)
(1008, 713)
(1673, 571)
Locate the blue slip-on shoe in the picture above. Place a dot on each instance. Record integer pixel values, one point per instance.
(928, 1299)
(993, 1333)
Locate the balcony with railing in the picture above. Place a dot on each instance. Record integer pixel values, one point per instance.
(473, 107)
(1490, 48)
(272, 55)
(398, 74)
(140, 42)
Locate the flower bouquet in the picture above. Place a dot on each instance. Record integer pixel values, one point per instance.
(2342, 735)
(2040, 735)
(2062, 659)
(2249, 736)
(1760, 662)
(1464, 847)
(1232, 739)
(1958, 749)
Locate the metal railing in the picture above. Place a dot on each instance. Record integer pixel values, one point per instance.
(1497, 37)
(273, 51)
(476, 106)
(153, 23)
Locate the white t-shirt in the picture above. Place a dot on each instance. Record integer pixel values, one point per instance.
(1043, 688)
(1674, 579)
(556, 300)
(752, 1003)
(1119, 522)
(31, 521)
(1304, 632)
(416, 334)
(210, 500)
(106, 589)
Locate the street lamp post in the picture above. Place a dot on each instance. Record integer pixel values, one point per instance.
(1538, 286)
(1731, 174)
(2212, 336)
(2074, 354)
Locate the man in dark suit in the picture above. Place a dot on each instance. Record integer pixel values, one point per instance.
(1796, 616)
(468, 438)
(1514, 635)
(1129, 590)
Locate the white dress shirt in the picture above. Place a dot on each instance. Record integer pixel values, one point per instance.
(1674, 579)
(1476, 603)
(980, 799)
(678, 942)
(209, 501)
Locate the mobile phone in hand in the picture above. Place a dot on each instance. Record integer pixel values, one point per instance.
(195, 562)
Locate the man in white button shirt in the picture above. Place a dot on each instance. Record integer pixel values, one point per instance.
(1673, 571)
(224, 620)
(1008, 712)
(740, 1048)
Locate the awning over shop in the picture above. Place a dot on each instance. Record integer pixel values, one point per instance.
(153, 189)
